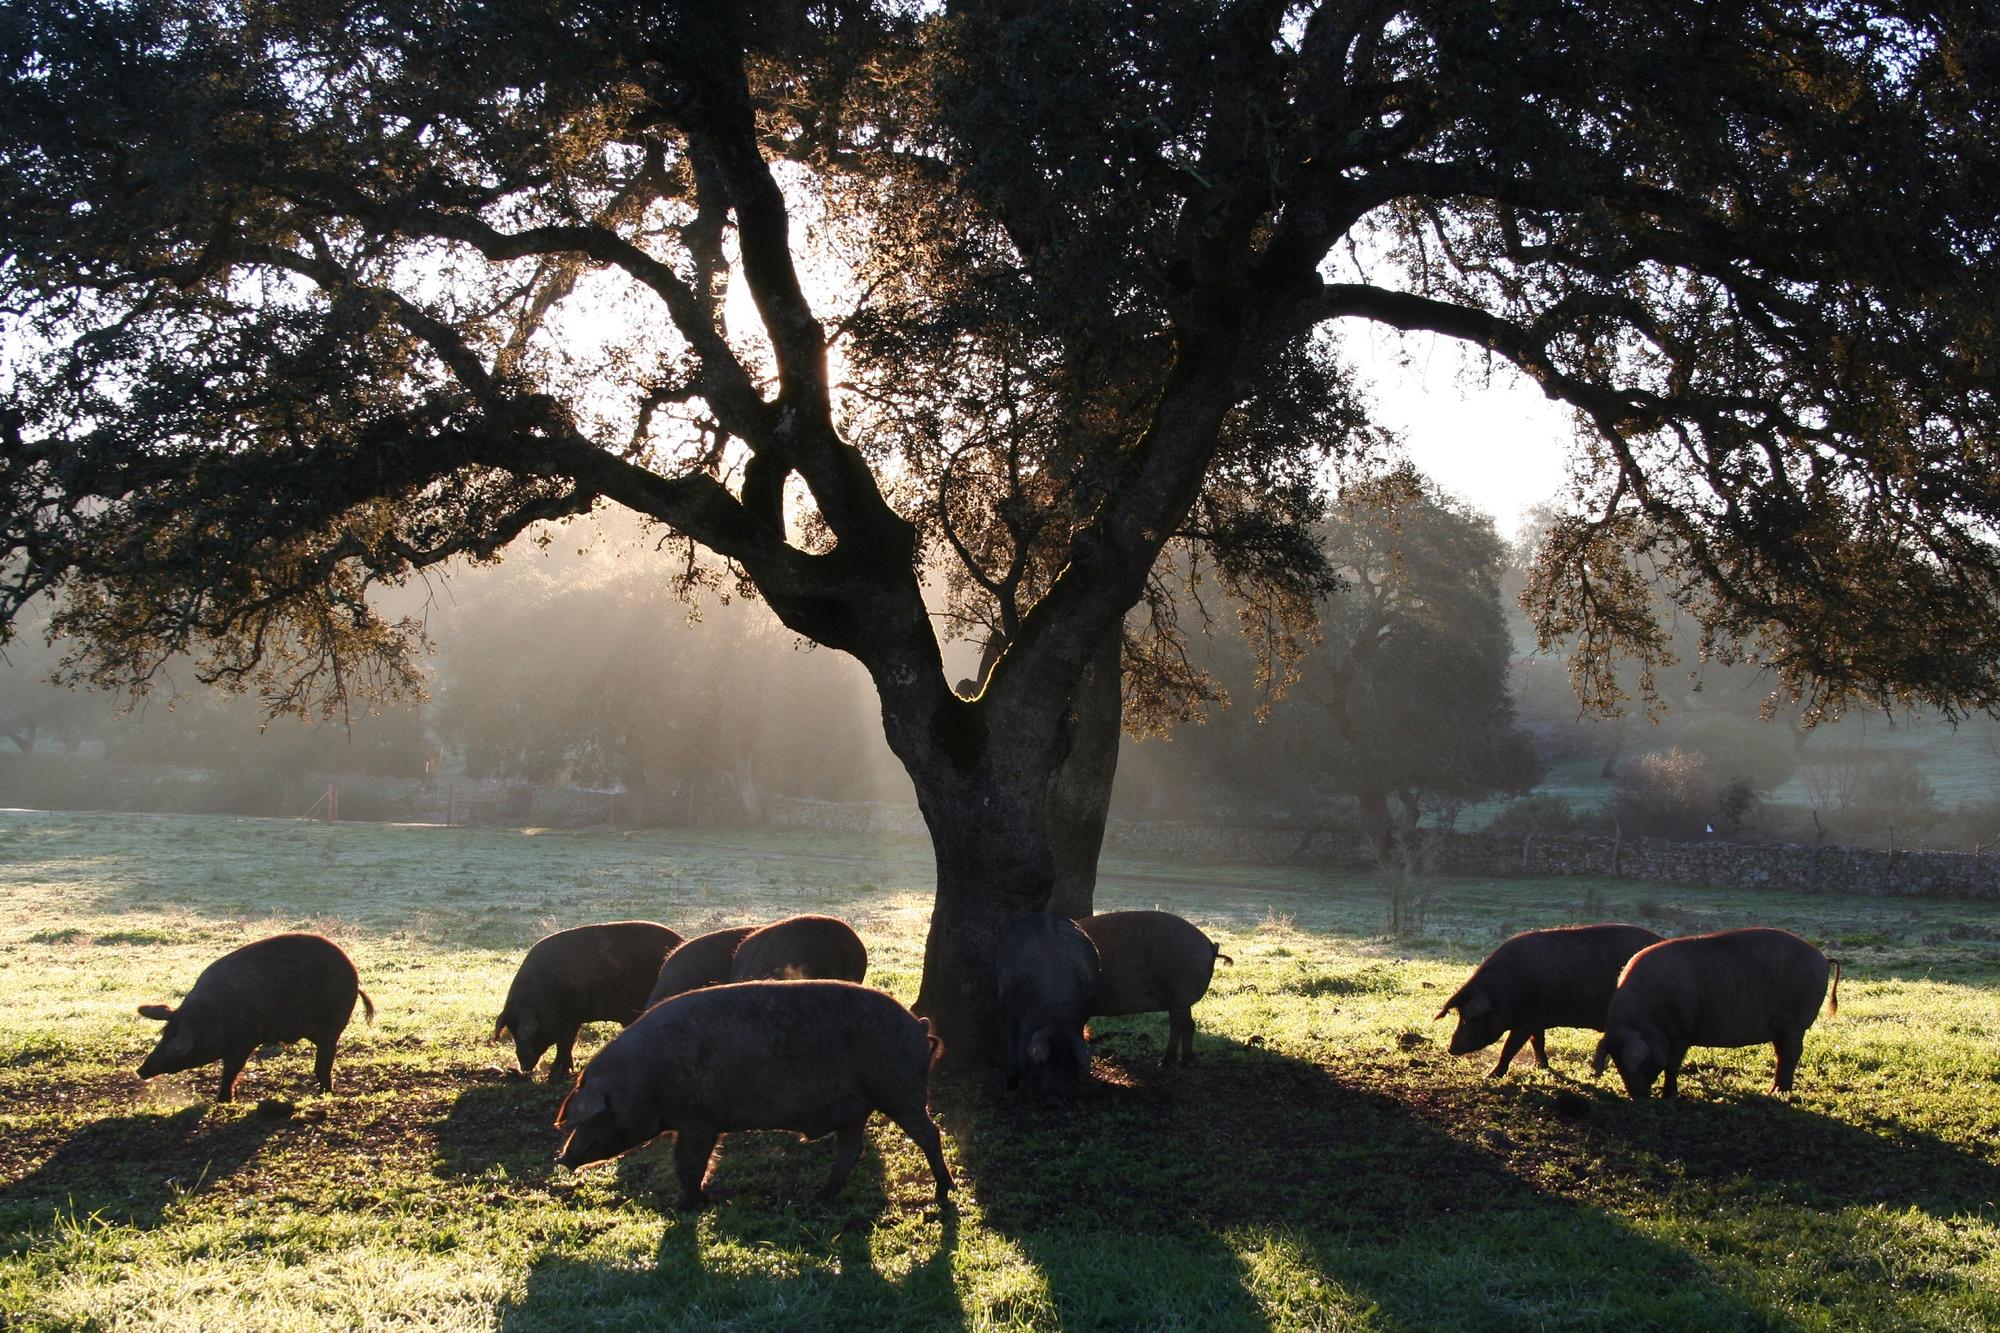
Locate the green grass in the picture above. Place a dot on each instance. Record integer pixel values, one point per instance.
(1325, 1164)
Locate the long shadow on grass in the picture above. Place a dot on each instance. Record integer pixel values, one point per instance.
(1784, 1153)
(762, 1255)
(763, 1186)
(1233, 1193)
(129, 1168)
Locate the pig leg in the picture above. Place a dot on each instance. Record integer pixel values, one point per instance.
(565, 1045)
(1516, 1039)
(1790, 1046)
(1541, 1052)
(1676, 1054)
(924, 1134)
(323, 1062)
(846, 1152)
(692, 1149)
(232, 1065)
(1180, 1036)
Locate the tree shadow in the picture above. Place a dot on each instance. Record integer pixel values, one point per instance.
(1786, 1152)
(130, 1168)
(830, 1276)
(1255, 1177)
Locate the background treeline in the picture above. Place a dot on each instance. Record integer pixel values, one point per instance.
(1422, 701)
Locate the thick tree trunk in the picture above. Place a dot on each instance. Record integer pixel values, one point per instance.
(989, 834)
(1080, 796)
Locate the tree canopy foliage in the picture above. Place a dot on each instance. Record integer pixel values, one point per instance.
(304, 296)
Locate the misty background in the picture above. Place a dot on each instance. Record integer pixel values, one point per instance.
(572, 665)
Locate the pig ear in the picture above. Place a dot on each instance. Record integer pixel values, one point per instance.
(1467, 1001)
(1038, 1047)
(1634, 1050)
(582, 1104)
(180, 1044)
(159, 1013)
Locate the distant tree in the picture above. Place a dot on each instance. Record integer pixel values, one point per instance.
(1538, 813)
(1669, 794)
(198, 725)
(594, 675)
(34, 711)
(1407, 696)
(306, 298)
(1740, 751)
(203, 726)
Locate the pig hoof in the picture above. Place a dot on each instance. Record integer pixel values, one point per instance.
(689, 1203)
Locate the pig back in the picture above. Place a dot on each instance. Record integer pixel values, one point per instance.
(280, 989)
(701, 961)
(591, 973)
(1048, 971)
(801, 947)
(1147, 961)
(1560, 977)
(797, 1055)
(1730, 988)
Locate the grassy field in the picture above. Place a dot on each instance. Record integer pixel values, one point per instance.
(1324, 1165)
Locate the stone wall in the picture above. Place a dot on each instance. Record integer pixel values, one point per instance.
(1241, 845)
(1786, 867)
(62, 783)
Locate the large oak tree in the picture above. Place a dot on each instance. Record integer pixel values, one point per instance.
(303, 296)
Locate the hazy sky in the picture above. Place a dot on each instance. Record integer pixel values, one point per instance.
(1492, 439)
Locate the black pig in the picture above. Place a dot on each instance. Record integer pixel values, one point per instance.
(1048, 977)
(798, 948)
(1541, 979)
(281, 989)
(1731, 988)
(587, 974)
(814, 1057)
(1149, 961)
(702, 961)
(801, 948)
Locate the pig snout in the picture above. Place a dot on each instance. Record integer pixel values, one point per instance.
(175, 1050)
(597, 1129)
(589, 1144)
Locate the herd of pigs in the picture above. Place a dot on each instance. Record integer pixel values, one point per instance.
(769, 1028)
